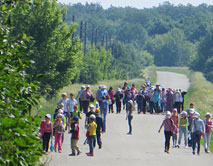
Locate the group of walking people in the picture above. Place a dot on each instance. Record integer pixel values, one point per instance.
(189, 124)
(148, 99)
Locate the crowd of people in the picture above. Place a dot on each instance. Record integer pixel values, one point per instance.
(154, 100)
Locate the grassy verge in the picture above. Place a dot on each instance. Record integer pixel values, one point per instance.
(200, 92)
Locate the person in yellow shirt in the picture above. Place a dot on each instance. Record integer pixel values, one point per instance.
(92, 135)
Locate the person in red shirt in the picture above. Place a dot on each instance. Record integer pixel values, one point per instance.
(208, 127)
(46, 131)
(175, 129)
(111, 99)
(75, 136)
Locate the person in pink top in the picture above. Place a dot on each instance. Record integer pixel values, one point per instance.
(168, 124)
(208, 127)
(46, 131)
(59, 130)
(111, 98)
(176, 126)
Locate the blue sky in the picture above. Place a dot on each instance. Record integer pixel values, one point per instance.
(137, 3)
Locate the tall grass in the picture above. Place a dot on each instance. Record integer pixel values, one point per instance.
(200, 92)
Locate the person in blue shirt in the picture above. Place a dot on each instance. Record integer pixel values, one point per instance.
(104, 108)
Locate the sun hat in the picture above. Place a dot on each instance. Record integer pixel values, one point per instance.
(130, 101)
(183, 113)
(104, 87)
(61, 105)
(83, 87)
(92, 117)
(196, 115)
(92, 106)
(88, 86)
(60, 115)
(208, 114)
(191, 111)
(64, 94)
(175, 110)
(60, 111)
(48, 116)
(168, 114)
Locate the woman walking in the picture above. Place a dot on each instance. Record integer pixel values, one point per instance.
(168, 127)
(46, 130)
(208, 127)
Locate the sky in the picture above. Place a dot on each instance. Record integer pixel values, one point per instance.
(137, 3)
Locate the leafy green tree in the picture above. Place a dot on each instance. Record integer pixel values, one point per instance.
(55, 56)
(19, 142)
(204, 60)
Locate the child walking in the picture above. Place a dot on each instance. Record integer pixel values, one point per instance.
(183, 125)
(75, 136)
(208, 127)
(46, 130)
(59, 130)
(176, 126)
(168, 127)
(92, 134)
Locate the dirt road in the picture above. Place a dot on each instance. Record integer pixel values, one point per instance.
(144, 148)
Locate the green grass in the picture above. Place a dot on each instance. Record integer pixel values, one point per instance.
(200, 92)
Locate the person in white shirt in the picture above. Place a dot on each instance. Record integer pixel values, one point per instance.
(71, 102)
(64, 101)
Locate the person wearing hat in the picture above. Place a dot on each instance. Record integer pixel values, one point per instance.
(79, 96)
(118, 98)
(156, 100)
(99, 130)
(175, 119)
(86, 97)
(190, 120)
(59, 130)
(92, 134)
(183, 128)
(178, 99)
(46, 131)
(75, 136)
(168, 124)
(198, 129)
(60, 106)
(128, 96)
(208, 127)
(88, 114)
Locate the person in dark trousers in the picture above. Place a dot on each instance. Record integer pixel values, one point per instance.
(46, 131)
(111, 99)
(99, 129)
(129, 117)
(168, 127)
(139, 101)
(118, 98)
(198, 129)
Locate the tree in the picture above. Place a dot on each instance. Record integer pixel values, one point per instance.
(55, 56)
(19, 142)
